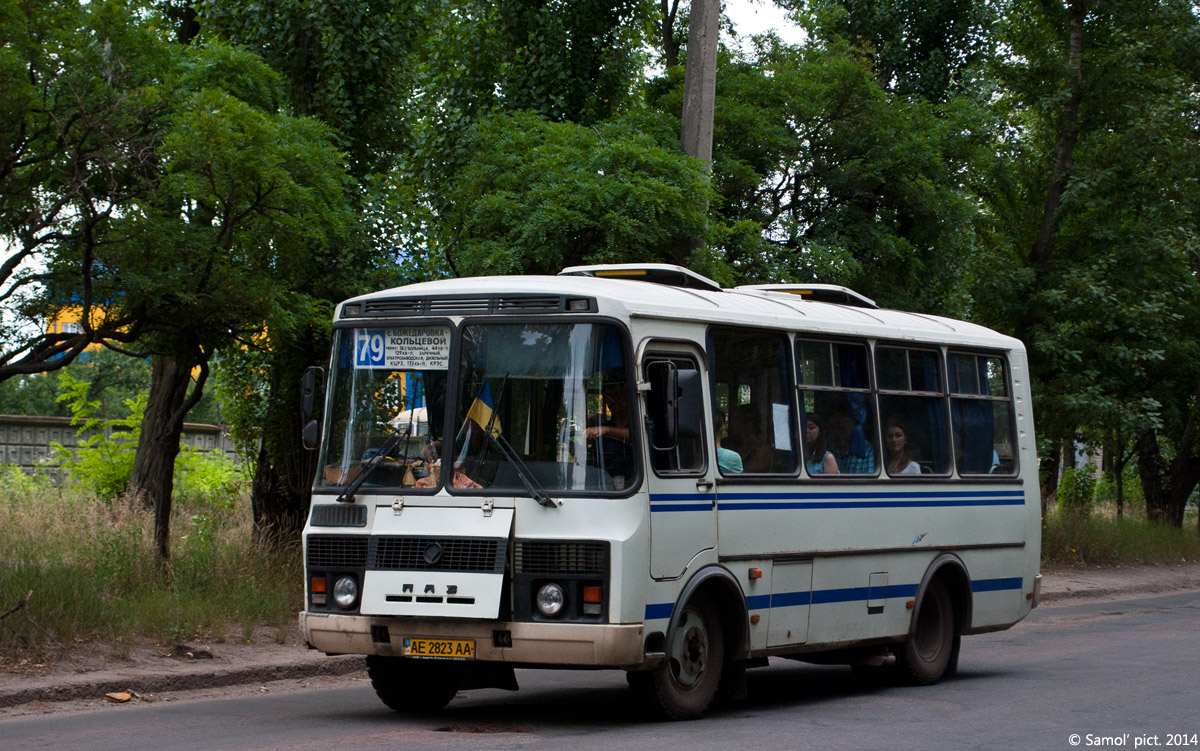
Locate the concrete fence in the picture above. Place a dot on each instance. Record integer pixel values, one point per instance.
(25, 440)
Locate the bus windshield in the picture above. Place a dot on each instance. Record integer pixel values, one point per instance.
(548, 400)
(387, 393)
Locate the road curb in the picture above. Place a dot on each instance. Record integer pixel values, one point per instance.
(95, 686)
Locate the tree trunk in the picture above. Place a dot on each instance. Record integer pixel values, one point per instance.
(1185, 469)
(1150, 471)
(283, 478)
(670, 47)
(1068, 135)
(1048, 479)
(152, 481)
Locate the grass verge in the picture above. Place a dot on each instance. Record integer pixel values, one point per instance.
(1075, 539)
(91, 567)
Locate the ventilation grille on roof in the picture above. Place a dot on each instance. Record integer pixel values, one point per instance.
(468, 305)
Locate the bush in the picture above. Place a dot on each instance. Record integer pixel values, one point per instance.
(1077, 491)
(1106, 490)
(102, 459)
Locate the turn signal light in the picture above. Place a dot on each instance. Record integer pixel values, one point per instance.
(593, 594)
(318, 585)
(756, 573)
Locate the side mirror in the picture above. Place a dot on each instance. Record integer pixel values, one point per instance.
(679, 409)
(689, 403)
(311, 387)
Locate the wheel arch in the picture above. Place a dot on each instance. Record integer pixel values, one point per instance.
(949, 569)
(722, 587)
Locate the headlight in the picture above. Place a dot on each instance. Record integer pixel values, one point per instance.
(345, 592)
(550, 600)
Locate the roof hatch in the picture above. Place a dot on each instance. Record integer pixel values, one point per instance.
(656, 273)
(817, 292)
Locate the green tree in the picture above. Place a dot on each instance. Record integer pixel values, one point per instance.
(538, 196)
(824, 175)
(184, 201)
(351, 65)
(344, 62)
(1089, 248)
(918, 48)
(247, 199)
(76, 83)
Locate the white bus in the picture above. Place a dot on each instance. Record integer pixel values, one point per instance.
(629, 467)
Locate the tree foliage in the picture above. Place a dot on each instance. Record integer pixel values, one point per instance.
(538, 196)
(918, 48)
(1090, 251)
(344, 62)
(824, 175)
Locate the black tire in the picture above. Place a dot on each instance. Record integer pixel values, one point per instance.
(683, 686)
(927, 655)
(414, 686)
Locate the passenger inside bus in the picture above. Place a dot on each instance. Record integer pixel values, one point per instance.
(745, 436)
(728, 461)
(818, 458)
(849, 444)
(901, 454)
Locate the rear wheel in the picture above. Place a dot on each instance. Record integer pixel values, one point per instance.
(927, 655)
(414, 686)
(683, 686)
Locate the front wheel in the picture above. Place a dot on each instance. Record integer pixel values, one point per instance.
(928, 654)
(683, 686)
(414, 686)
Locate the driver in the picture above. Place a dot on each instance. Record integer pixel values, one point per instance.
(616, 400)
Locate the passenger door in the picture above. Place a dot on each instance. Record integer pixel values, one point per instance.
(683, 515)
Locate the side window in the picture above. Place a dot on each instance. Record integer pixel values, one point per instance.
(674, 415)
(981, 414)
(754, 411)
(839, 426)
(912, 407)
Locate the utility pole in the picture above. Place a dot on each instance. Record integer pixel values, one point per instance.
(700, 89)
(700, 80)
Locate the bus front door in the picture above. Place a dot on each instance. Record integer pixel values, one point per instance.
(683, 499)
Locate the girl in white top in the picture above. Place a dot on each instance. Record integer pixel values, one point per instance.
(900, 460)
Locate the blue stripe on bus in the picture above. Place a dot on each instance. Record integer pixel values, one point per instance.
(830, 596)
(659, 611)
(674, 502)
(996, 585)
(683, 507)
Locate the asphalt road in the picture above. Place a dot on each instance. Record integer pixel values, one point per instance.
(1112, 673)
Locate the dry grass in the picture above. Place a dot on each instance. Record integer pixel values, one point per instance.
(93, 573)
(1100, 538)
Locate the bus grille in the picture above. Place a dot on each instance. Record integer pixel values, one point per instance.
(438, 554)
(339, 515)
(552, 557)
(328, 551)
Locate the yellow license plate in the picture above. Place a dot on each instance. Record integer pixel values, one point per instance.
(446, 649)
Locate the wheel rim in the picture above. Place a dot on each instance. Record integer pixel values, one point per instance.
(689, 650)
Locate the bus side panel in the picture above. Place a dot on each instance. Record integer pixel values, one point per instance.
(869, 541)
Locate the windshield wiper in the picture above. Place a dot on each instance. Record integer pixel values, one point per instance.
(536, 491)
(347, 495)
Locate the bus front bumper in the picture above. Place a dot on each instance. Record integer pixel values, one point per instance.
(564, 644)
